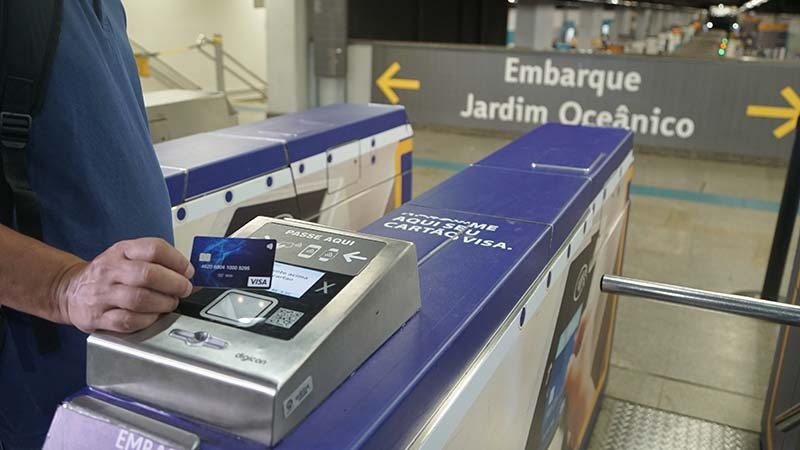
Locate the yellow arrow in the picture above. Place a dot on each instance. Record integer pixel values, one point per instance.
(387, 84)
(780, 112)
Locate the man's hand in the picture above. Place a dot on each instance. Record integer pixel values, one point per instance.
(125, 288)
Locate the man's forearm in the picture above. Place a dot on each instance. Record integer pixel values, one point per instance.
(31, 275)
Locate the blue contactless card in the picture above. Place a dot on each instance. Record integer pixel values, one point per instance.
(222, 262)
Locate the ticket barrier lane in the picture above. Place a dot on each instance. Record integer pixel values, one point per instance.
(341, 165)
(493, 256)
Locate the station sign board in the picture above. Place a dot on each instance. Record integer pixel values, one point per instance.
(720, 106)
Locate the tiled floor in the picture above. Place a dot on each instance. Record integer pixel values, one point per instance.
(692, 362)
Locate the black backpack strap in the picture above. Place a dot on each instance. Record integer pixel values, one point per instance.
(29, 30)
(2, 331)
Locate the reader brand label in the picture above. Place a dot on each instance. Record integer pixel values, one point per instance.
(233, 262)
(296, 398)
(250, 358)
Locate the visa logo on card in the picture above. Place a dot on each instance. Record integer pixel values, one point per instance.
(225, 262)
(259, 282)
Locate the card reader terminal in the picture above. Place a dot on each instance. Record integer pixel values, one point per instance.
(255, 362)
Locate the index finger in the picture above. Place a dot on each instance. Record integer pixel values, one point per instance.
(158, 251)
(152, 276)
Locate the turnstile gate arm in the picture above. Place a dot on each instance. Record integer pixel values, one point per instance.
(789, 419)
(756, 308)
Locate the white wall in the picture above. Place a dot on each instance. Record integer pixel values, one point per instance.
(165, 24)
(359, 73)
(287, 55)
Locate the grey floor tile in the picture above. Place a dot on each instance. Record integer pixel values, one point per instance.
(634, 386)
(724, 352)
(711, 404)
(638, 343)
(451, 147)
(706, 246)
(726, 178)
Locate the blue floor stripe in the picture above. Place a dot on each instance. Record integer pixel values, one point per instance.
(645, 191)
(704, 197)
(441, 165)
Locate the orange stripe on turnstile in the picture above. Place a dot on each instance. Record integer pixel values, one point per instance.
(403, 147)
(613, 300)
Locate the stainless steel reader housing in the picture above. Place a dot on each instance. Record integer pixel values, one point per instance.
(255, 385)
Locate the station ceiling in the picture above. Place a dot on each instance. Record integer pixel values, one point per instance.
(772, 6)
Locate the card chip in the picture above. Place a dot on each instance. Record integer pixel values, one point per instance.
(284, 318)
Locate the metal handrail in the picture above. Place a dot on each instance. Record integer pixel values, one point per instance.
(164, 72)
(262, 91)
(220, 58)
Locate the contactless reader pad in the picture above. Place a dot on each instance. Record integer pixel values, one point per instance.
(297, 295)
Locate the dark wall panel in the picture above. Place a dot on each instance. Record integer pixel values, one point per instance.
(439, 21)
(494, 17)
(383, 19)
(447, 21)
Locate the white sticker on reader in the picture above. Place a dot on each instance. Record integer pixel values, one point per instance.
(292, 280)
(297, 397)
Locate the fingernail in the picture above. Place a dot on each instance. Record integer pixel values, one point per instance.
(189, 271)
(189, 289)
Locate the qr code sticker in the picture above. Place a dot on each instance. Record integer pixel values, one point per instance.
(284, 318)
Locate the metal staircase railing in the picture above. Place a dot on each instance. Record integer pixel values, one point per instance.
(238, 70)
(224, 63)
(163, 72)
